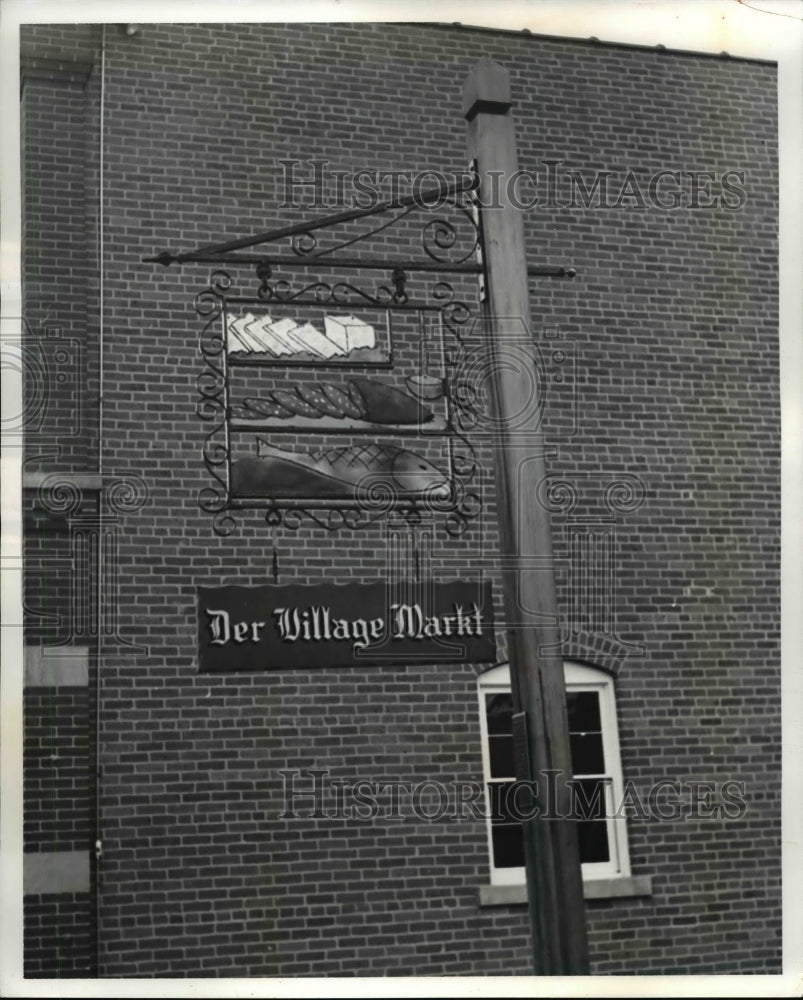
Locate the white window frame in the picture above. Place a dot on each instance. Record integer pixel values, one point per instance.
(577, 677)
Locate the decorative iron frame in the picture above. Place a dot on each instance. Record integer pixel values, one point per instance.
(215, 406)
(444, 256)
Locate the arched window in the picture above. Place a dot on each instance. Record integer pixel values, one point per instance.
(597, 785)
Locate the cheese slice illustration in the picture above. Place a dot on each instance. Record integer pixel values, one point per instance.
(255, 331)
(239, 339)
(349, 332)
(286, 337)
(312, 340)
(260, 329)
(280, 330)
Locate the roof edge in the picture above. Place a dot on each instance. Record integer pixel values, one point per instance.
(592, 41)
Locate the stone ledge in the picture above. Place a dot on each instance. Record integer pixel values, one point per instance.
(48, 872)
(600, 888)
(56, 666)
(82, 480)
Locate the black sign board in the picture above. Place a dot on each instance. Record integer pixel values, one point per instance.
(270, 627)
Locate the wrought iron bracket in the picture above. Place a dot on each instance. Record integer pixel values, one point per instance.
(448, 222)
(306, 252)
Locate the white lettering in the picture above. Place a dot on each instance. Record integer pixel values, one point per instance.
(463, 625)
(219, 627)
(409, 621)
(316, 631)
(315, 623)
(223, 631)
(432, 627)
(288, 624)
(359, 631)
(341, 629)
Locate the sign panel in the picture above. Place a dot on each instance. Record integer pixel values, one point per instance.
(269, 627)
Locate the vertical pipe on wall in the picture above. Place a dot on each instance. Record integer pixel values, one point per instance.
(101, 499)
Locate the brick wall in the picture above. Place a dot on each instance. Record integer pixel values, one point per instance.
(56, 796)
(59, 750)
(60, 150)
(673, 324)
(58, 825)
(58, 941)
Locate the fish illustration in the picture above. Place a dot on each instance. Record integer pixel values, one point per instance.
(339, 472)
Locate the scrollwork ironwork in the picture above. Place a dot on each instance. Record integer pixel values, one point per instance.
(464, 462)
(444, 240)
(339, 293)
(441, 240)
(446, 235)
(211, 387)
(329, 518)
(440, 234)
(209, 302)
(455, 312)
(212, 404)
(223, 523)
(466, 501)
(303, 243)
(458, 520)
(360, 237)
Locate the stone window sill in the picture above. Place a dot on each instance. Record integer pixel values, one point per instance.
(599, 888)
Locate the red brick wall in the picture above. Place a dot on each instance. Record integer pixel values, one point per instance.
(673, 323)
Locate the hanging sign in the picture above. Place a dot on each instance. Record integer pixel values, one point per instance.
(269, 627)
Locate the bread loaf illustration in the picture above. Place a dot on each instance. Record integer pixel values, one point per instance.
(344, 404)
(356, 398)
(291, 400)
(361, 399)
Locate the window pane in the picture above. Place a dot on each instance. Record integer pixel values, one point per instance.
(499, 713)
(583, 711)
(501, 753)
(593, 841)
(496, 794)
(588, 798)
(508, 845)
(587, 753)
(510, 802)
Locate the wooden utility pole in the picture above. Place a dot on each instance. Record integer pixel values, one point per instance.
(554, 879)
